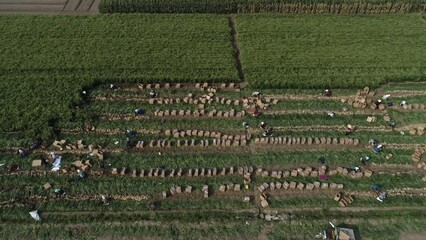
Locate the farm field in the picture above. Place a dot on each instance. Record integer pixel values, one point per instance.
(196, 162)
(173, 151)
(60, 56)
(256, 6)
(329, 50)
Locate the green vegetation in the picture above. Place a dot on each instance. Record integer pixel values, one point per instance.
(51, 59)
(255, 6)
(313, 51)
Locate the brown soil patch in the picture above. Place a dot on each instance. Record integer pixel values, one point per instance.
(413, 236)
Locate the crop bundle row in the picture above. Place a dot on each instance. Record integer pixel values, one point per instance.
(256, 6)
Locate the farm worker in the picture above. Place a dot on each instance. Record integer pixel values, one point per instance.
(130, 133)
(262, 125)
(81, 174)
(153, 94)
(14, 168)
(113, 87)
(375, 187)
(389, 103)
(322, 160)
(381, 197)
(402, 103)
(354, 168)
(88, 127)
(392, 125)
(84, 93)
(349, 129)
(377, 103)
(246, 125)
(256, 113)
(53, 155)
(255, 94)
(373, 142)
(22, 152)
(364, 159)
(35, 144)
(104, 200)
(128, 143)
(378, 148)
(330, 114)
(328, 93)
(139, 111)
(59, 191)
(267, 132)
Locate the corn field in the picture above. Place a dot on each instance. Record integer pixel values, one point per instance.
(261, 6)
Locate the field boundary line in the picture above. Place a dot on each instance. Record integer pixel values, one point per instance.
(236, 47)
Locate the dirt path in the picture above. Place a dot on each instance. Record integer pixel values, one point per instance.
(398, 93)
(69, 7)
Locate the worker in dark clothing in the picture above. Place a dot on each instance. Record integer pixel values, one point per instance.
(373, 142)
(139, 111)
(364, 159)
(128, 143)
(377, 103)
(256, 94)
(322, 160)
(35, 144)
(22, 153)
(153, 94)
(378, 148)
(256, 113)
(130, 133)
(267, 131)
(349, 129)
(328, 92)
(59, 192)
(262, 125)
(375, 187)
(81, 174)
(113, 87)
(105, 200)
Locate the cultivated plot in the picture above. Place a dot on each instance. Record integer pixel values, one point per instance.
(330, 50)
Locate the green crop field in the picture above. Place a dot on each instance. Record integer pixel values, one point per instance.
(149, 47)
(314, 51)
(256, 6)
(51, 59)
(198, 163)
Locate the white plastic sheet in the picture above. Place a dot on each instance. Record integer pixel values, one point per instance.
(34, 214)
